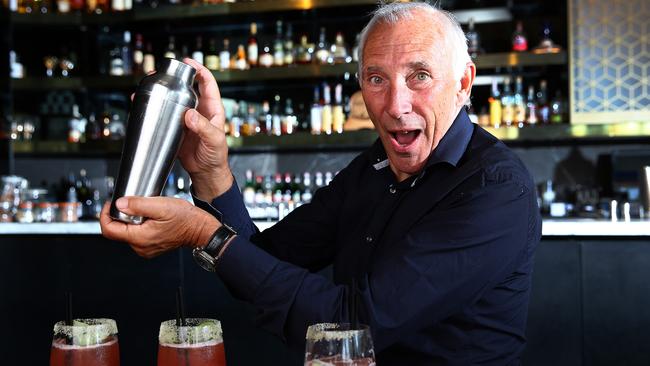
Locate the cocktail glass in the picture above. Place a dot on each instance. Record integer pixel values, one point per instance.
(198, 343)
(85, 342)
(337, 344)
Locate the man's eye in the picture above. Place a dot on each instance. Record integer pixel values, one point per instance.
(421, 76)
(375, 80)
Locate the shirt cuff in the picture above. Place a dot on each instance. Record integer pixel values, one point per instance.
(243, 267)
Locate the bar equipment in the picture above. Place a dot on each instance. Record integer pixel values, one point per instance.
(155, 131)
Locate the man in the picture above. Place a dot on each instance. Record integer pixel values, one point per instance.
(437, 221)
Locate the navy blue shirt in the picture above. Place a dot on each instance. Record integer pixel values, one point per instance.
(444, 258)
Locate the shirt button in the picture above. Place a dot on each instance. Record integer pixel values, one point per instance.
(368, 239)
(392, 190)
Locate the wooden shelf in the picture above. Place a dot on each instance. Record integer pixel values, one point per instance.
(514, 59)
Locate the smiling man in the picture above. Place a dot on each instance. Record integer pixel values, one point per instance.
(437, 222)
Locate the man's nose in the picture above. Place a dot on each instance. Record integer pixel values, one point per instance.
(400, 102)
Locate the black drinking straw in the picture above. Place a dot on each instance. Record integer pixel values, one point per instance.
(180, 308)
(354, 304)
(68, 309)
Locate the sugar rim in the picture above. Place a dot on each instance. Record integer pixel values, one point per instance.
(98, 325)
(198, 330)
(334, 331)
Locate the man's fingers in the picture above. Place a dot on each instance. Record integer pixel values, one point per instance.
(200, 125)
(156, 208)
(210, 100)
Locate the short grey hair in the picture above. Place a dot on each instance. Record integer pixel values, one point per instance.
(392, 13)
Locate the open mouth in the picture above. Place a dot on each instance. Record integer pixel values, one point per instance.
(406, 137)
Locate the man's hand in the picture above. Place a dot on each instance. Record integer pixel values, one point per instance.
(204, 153)
(171, 223)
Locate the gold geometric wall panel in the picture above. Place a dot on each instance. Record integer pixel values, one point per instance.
(610, 60)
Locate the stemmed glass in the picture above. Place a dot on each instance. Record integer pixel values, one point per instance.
(198, 342)
(85, 342)
(337, 344)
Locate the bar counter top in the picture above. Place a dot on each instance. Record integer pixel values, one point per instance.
(550, 228)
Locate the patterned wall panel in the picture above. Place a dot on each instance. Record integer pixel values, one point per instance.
(610, 60)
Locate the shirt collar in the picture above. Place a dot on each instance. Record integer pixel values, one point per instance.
(450, 149)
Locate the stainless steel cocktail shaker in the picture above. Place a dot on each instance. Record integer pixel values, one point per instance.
(154, 133)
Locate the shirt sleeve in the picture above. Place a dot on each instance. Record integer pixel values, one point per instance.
(441, 266)
(229, 208)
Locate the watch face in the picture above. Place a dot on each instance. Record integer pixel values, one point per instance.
(204, 260)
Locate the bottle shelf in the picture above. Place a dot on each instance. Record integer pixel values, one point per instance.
(487, 61)
(354, 141)
(174, 12)
(515, 59)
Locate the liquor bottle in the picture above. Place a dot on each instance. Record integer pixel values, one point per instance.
(171, 48)
(296, 190)
(546, 45)
(118, 5)
(278, 45)
(507, 104)
(224, 55)
(91, 6)
(519, 41)
(102, 7)
(322, 50)
(473, 40)
(93, 128)
(63, 6)
(276, 127)
(250, 126)
(77, 126)
(318, 180)
(520, 104)
(316, 113)
(304, 53)
(328, 178)
(531, 107)
(289, 120)
(307, 188)
(289, 50)
(495, 105)
(248, 192)
(240, 61)
(117, 63)
(265, 59)
(236, 120)
(326, 119)
(338, 117)
(197, 54)
(211, 58)
(265, 119)
(355, 49)
(542, 104)
(557, 108)
(138, 55)
(339, 50)
(149, 60)
(127, 54)
(252, 46)
(75, 5)
(185, 52)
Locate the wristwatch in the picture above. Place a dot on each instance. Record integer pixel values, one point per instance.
(207, 256)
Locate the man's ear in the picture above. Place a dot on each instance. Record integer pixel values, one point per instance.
(466, 82)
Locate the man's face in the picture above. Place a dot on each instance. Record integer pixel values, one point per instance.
(409, 89)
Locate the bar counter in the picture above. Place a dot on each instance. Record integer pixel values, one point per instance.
(550, 228)
(589, 305)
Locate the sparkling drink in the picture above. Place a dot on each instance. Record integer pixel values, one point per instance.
(86, 342)
(198, 343)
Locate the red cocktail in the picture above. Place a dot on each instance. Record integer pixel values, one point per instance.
(86, 342)
(199, 343)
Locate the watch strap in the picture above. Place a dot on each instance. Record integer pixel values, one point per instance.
(218, 240)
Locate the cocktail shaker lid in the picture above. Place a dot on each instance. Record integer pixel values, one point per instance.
(178, 69)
